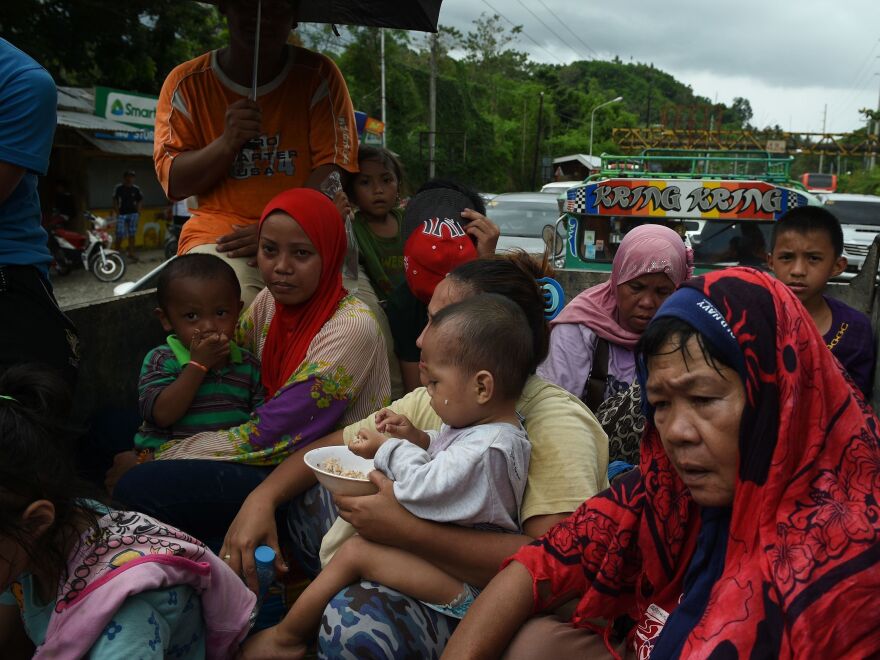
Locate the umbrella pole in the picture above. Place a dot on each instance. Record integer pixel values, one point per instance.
(256, 50)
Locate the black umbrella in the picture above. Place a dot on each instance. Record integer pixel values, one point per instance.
(419, 15)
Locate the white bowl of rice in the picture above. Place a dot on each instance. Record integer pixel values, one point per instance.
(340, 471)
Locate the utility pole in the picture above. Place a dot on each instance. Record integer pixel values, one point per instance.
(382, 80)
(432, 108)
(711, 130)
(538, 141)
(822, 155)
(876, 130)
(522, 159)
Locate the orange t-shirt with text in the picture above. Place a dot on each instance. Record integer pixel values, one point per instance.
(308, 121)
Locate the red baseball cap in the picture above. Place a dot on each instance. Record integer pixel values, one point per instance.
(438, 243)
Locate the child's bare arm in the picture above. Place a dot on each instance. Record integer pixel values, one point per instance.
(172, 403)
(175, 400)
(399, 426)
(389, 425)
(367, 443)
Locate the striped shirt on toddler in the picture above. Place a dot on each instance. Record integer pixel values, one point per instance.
(225, 399)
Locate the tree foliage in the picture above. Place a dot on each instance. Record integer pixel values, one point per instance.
(741, 112)
(861, 182)
(487, 46)
(130, 45)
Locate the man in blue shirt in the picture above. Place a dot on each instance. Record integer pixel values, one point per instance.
(33, 328)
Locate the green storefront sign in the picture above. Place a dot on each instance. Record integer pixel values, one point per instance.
(125, 107)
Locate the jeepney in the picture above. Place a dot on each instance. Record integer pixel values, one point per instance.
(723, 204)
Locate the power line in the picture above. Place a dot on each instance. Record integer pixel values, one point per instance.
(525, 34)
(406, 65)
(562, 23)
(861, 84)
(348, 39)
(857, 84)
(853, 104)
(861, 70)
(547, 27)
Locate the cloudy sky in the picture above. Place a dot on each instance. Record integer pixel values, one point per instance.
(788, 57)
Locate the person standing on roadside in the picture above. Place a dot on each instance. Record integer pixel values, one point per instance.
(236, 152)
(34, 329)
(127, 201)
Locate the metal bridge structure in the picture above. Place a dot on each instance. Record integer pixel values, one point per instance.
(827, 144)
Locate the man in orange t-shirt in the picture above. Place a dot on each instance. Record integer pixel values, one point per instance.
(235, 154)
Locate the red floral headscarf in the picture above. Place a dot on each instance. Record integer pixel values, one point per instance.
(801, 576)
(294, 326)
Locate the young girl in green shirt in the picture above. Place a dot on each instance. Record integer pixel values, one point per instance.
(375, 191)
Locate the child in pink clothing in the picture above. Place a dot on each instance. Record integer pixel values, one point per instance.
(79, 579)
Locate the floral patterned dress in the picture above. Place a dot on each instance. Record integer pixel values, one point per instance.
(343, 378)
(801, 569)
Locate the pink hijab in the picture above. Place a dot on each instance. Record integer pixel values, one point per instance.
(645, 249)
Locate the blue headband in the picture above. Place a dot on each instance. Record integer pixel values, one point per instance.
(694, 308)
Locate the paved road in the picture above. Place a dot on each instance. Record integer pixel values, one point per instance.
(80, 286)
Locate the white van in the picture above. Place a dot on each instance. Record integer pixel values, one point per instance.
(859, 217)
(559, 186)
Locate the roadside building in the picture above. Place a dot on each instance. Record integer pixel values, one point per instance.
(100, 134)
(575, 167)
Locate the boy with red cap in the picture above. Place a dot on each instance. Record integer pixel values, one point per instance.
(446, 226)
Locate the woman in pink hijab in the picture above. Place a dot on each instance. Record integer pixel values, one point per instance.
(592, 340)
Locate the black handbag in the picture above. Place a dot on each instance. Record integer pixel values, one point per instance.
(623, 422)
(594, 391)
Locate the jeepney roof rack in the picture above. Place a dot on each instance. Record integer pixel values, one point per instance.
(702, 164)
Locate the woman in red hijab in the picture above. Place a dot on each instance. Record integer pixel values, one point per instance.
(750, 529)
(324, 365)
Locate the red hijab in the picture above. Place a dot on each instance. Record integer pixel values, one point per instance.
(801, 573)
(294, 326)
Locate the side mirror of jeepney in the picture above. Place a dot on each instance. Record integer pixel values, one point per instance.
(554, 243)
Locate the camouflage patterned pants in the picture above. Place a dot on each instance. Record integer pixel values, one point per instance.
(364, 621)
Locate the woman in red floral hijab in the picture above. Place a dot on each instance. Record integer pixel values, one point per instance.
(750, 529)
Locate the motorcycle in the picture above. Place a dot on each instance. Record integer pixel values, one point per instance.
(94, 248)
(172, 236)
